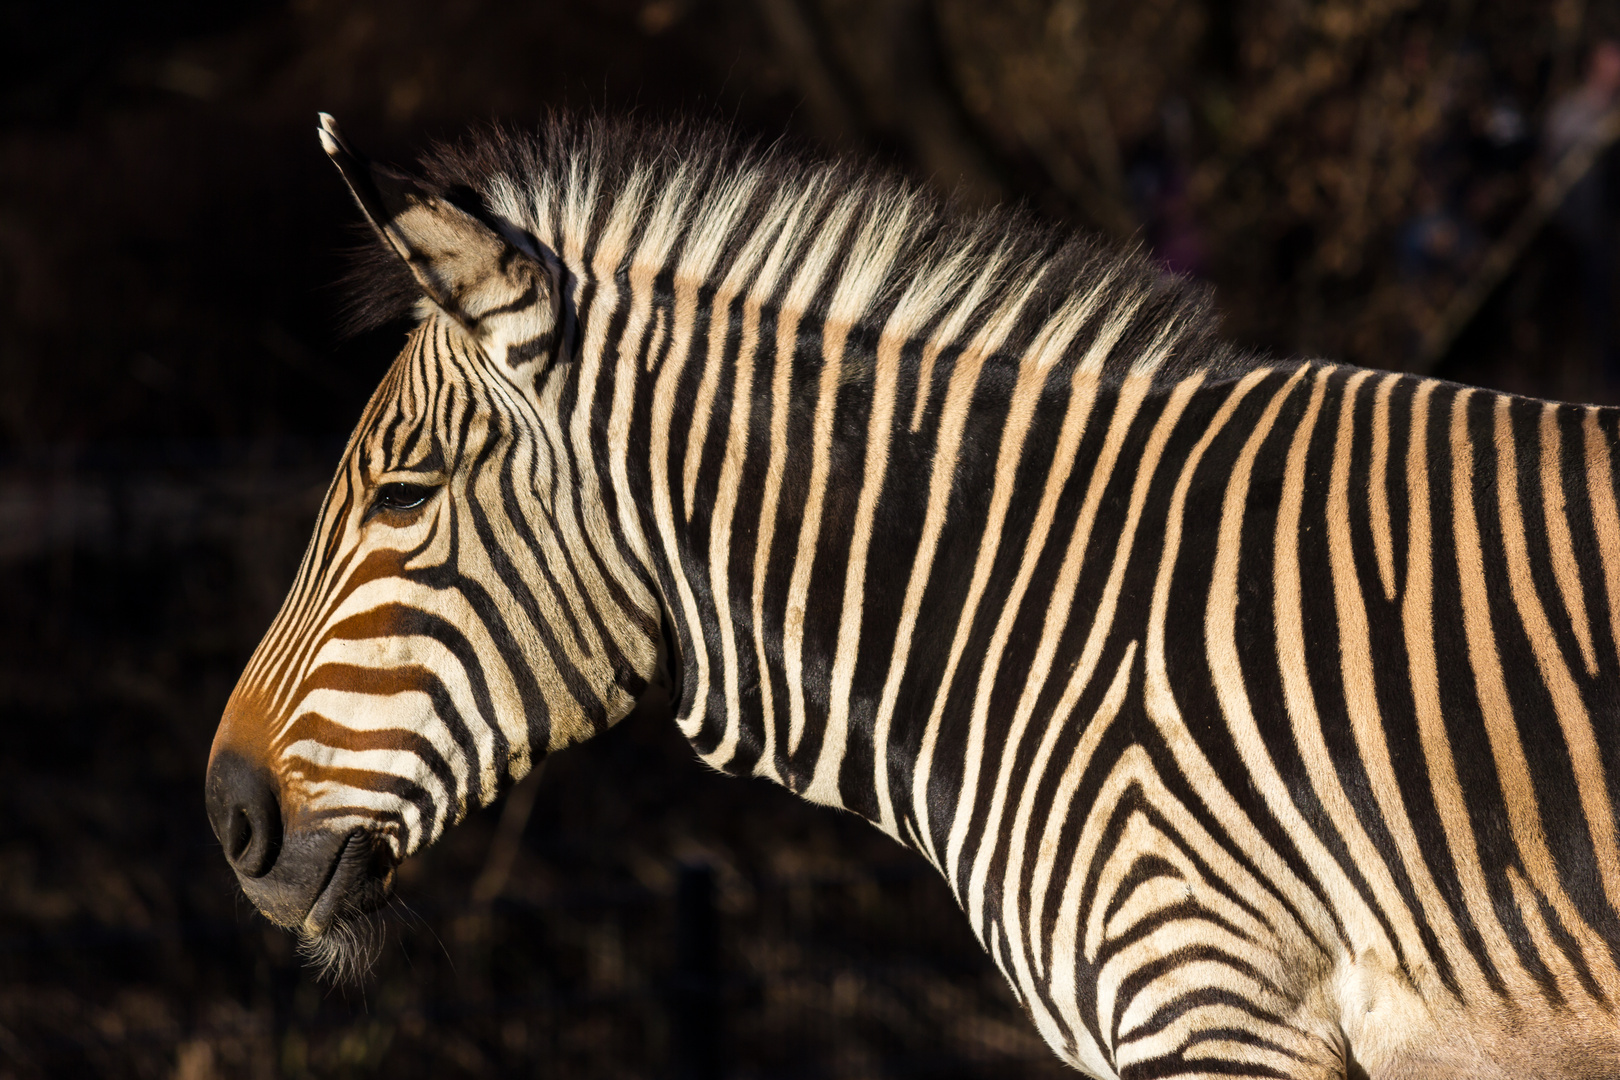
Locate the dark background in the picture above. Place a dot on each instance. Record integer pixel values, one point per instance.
(174, 391)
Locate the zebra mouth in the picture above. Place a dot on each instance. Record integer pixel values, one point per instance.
(359, 880)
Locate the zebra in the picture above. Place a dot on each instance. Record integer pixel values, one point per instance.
(1260, 714)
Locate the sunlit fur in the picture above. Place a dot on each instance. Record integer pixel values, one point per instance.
(1264, 717)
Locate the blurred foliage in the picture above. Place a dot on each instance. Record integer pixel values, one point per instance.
(170, 237)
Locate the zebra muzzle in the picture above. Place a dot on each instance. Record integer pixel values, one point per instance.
(300, 878)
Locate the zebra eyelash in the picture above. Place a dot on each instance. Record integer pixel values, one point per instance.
(400, 497)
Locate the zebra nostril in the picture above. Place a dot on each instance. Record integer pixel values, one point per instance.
(245, 814)
(238, 836)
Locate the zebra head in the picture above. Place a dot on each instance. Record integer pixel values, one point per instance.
(447, 627)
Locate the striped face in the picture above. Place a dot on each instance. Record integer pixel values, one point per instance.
(447, 627)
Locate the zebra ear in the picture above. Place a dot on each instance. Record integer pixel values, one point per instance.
(499, 290)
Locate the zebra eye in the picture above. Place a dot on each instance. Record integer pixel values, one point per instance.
(401, 496)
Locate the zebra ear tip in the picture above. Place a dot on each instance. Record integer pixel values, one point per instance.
(331, 137)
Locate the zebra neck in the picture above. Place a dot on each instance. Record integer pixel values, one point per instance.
(835, 538)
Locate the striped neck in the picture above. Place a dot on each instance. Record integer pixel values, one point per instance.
(798, 400)
(819, 508)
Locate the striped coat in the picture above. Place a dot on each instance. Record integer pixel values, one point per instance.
(1261, 715)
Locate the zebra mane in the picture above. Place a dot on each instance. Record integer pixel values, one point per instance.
(687, 193)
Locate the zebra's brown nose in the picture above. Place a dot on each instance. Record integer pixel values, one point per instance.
(245, 814)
